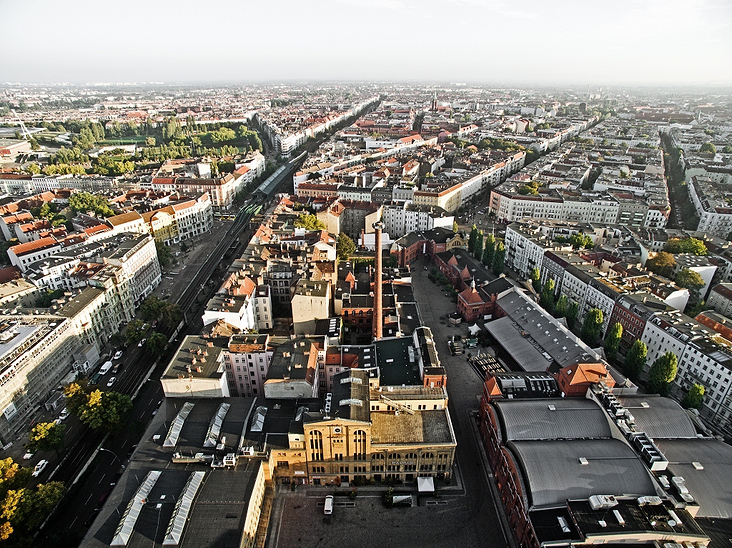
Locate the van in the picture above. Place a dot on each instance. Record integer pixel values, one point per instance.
(106, 367)
(328, 506)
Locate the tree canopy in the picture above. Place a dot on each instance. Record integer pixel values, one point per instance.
(662, 374)
(308, 221)
(662, 264)
(22, 509)
(499, 256)
(692, 281)
(489, 249)
(156, 343)
(635, 360)
(546, 299)
(708, 147)
(47, 436)
(686, 245)
(104, 411)
(694, 397)
(612, 341)
(578, 240)
(82, 202)
(345, 247)
(592, 326)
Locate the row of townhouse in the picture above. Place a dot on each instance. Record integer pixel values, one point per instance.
(285, 144)
(18, 185)
(575, 276)
(508, 205)
(703, 358)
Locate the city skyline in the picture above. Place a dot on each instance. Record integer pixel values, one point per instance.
(566, 43)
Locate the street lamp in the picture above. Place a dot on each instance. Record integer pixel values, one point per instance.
(113, 454)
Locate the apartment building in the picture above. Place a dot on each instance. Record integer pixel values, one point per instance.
(36, 353)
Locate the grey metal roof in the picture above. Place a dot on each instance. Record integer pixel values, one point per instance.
(544, 332)
(509, 337)
(552, 419)
(710, 486)
(553, 472)
(659, 417)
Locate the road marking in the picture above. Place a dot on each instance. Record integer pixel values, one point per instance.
(87, 500)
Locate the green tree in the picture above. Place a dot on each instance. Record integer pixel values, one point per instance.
(535, 277)
(692, 281)
(472, 238)
(47, 436)
(708, 147)
(171, 315)
(135, 331)
(694, 397)
(560, 309)
(105, 411)
(612, 341)
(662, 374)
(662, 264)
(478, 251)
(150, 141)
(592, 326)
(345, 247)
(686, 245)
(578, 240)
(76, 394)
(455, 227)
(635, 360)
(33, 168)
(151, 308)
(499, 258)
(164, 255)
(572, 313)
(489, 249)
(156, 343)
(546, 300)
(83, 202)
(308, 221)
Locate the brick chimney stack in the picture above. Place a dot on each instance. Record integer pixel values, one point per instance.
(378, 320)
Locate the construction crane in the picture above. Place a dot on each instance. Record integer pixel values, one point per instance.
(399, 406)
(23, 130)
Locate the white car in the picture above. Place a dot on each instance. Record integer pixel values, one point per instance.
(117, 355)
(28, 456)
(143, 341)
(39, 468)
(110, 382)
(64, 414)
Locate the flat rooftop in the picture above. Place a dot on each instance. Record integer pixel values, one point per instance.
(205, 352)
(395, 366)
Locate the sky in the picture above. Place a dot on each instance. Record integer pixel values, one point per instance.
(496, 42)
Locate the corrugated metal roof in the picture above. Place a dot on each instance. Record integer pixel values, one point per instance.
(553, 419)
(659, 417)
(707, 484)
(553, 472)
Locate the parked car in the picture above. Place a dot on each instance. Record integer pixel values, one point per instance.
(142, 342)
(110, 382)
(328, 506)
(117, 355)
(39, 468)
(64, 414)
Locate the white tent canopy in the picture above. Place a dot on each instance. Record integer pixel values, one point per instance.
(426, 485)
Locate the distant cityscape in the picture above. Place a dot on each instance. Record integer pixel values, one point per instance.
(272, 315)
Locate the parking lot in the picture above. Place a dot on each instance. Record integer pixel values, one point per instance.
(366, 522)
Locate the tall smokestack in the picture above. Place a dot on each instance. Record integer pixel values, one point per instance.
(378, 308)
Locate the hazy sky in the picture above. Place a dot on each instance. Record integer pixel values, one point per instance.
(679, 42)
